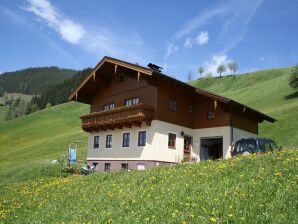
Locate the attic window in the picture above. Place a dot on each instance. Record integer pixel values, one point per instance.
(173, 105)
(210, 115)
(108, 106)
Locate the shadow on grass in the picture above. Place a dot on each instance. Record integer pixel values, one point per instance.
(291, 96)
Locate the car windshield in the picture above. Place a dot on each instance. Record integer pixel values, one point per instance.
(246, 145)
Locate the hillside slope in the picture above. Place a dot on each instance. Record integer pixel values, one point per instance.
(267, 91)
(240, 190)
(29, 143)
(33, 80)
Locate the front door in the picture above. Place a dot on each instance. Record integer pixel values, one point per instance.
(187, 148)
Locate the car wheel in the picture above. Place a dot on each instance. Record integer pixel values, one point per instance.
(246, 153)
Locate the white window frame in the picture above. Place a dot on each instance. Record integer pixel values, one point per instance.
(172, 132)
(137, 143)
(93, 138)
(141, 164)
(106, 141)
(126, 147)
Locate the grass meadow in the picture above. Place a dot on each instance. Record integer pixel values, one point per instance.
(252, 189)
(28, 144)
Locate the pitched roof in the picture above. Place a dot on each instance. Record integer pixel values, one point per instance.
(152, 72)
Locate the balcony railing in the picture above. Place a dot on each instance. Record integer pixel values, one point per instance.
(118, 118)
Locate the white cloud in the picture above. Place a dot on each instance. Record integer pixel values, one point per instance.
(200, 20)
(235, 25)
(17, 18)
(234, 17)
(217, 60)
(171, 49)
(200, 39)
(103, 41)
(229, 19)
(70, 31)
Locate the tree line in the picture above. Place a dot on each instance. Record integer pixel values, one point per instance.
(232, 67)
(32, 81)
(52, 95)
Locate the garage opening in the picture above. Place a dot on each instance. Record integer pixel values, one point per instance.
(211, 148)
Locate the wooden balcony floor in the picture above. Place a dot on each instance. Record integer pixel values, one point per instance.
(118, 118)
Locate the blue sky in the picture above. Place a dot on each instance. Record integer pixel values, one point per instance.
(177, 35)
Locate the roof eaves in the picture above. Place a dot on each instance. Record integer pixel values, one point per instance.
(114, 61)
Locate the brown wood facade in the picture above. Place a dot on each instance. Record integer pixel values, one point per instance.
(114, 81)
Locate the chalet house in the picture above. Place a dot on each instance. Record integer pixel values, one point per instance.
(140, 118)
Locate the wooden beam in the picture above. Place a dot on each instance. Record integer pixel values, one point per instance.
(127, 125)
(137, 123)
(215, 104)
(93, 76)
(110, 127)
(116, 68)
(139, 74)
(118, 126)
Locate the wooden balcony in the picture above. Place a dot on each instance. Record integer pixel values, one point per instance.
(117, 118)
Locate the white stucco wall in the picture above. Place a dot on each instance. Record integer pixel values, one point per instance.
(223, 132)
(238, 134)
(156, 147)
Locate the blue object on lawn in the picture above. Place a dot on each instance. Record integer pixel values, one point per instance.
(72, 155)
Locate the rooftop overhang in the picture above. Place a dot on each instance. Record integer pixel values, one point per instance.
(101, 75)
(236, 106)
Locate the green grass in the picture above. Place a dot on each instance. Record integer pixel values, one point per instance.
(3, 112)
(267, 91)
(30, 143)
(253, 189)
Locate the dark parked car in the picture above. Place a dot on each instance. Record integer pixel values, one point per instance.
(247, 146)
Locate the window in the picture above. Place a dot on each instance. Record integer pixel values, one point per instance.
(131, 101)
(142, 138)
(141, 166)
(264, 145)
(96, 142)
(247, 145)
(107, 167)
(124, 166)
(108, 141)
(273, 145)
(108, 106)
(210, 115)
(125, 139)
(172, 141)
(173, 105)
